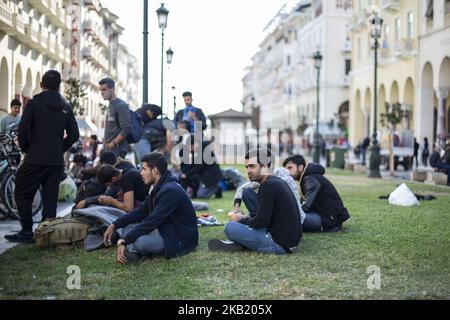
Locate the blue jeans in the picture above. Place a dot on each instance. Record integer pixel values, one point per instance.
(150, 244)
(250, 199)
(206, 193)
(444, 166)
(143, 148)
(312, 223)
(258, 240)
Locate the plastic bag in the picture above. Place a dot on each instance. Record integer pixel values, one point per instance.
(67, 190)
(402, 196)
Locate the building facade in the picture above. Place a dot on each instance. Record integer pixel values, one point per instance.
(32, 40)
(281, 84)
(398, 56)
(79, 38)
(433, 120)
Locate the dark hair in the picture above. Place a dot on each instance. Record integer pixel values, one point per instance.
(186, 124)
(109, 82)
(156, 160)
(79, 158)
(298, 160)
(94, 137)
(51, 80)
(187, 94)
(106, 174)
(108, 157)
(16, 103)
(263, 156)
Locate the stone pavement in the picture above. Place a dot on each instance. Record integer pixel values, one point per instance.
(12, 226)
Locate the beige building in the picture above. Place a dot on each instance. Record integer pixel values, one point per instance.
(33, 37)
(433, 118)
(280, 87)
(397, 66)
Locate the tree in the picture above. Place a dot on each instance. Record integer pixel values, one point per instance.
(74, 95)
(391, 119)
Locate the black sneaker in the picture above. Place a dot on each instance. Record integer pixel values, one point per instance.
(133, 257)
(224, 245)
(21, 237)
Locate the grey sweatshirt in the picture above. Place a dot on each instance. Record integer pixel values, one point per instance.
(118, 120)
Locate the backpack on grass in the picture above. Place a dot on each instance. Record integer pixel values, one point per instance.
(61, 232)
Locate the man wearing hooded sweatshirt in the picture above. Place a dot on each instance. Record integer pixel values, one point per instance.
(48, 129)
(325, 211)
(165, 224)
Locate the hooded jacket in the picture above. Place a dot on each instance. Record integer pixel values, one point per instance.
(321, 197)
(45, 121)
(168, 209)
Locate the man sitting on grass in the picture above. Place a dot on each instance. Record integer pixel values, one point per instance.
(165, 224)
(325, 211)
(276, 226)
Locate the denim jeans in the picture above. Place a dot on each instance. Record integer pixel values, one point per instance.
(313, 223)
(206, 193)
(143, 148)
(258, 240)
(249, 197)
(150, 244)
(444, 166)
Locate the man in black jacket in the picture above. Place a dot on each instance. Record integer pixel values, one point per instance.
(276, 228)
(325, 211)
(45, 121)
(191, 113)
(165, 224)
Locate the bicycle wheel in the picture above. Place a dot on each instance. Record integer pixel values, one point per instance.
(7, 194)
(4, 212)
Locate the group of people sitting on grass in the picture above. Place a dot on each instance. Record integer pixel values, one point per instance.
(282, 203)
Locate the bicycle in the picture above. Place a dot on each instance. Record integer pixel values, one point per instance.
(10, 158)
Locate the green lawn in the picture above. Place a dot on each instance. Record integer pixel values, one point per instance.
(410, 245)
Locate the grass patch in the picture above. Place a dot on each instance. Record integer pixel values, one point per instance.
(410, 245)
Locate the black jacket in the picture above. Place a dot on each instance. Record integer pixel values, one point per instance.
(168, 209)
(45, 120)
(321, 197)
(200, 115)
(209, 174)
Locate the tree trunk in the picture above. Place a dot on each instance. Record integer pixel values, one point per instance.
(391, 154)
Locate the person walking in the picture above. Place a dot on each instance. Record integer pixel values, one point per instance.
(425, 152)
(416, 153)
(47, 129)
(118, 120)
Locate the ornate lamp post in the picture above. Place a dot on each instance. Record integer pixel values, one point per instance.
(317, 64)
(163, 14)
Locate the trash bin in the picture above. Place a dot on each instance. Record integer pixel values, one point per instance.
(338, 158)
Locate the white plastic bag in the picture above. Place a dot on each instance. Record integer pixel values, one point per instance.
(403, 196)
(67, 190)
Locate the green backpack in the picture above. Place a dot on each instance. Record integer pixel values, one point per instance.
(61, 232)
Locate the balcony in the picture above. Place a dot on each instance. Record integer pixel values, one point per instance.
(44, 40)
(391, 5)
(42, 5)
(405, 48)
(92, 5)
(6, 17)
(32, 37)
(52, 47)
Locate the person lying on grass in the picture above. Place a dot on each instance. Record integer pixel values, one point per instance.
(166, 224)
(131, 190)
(325, 211)
(276, 227)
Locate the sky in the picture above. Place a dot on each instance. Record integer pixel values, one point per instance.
(213, 41)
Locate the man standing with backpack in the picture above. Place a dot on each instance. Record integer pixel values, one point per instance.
(118, 120)
(45, 121)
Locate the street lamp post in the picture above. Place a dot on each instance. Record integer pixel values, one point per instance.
(169, 56)
(374, 166)
(163, 14)
(174, 103)
(317, 64)
(145, 75)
